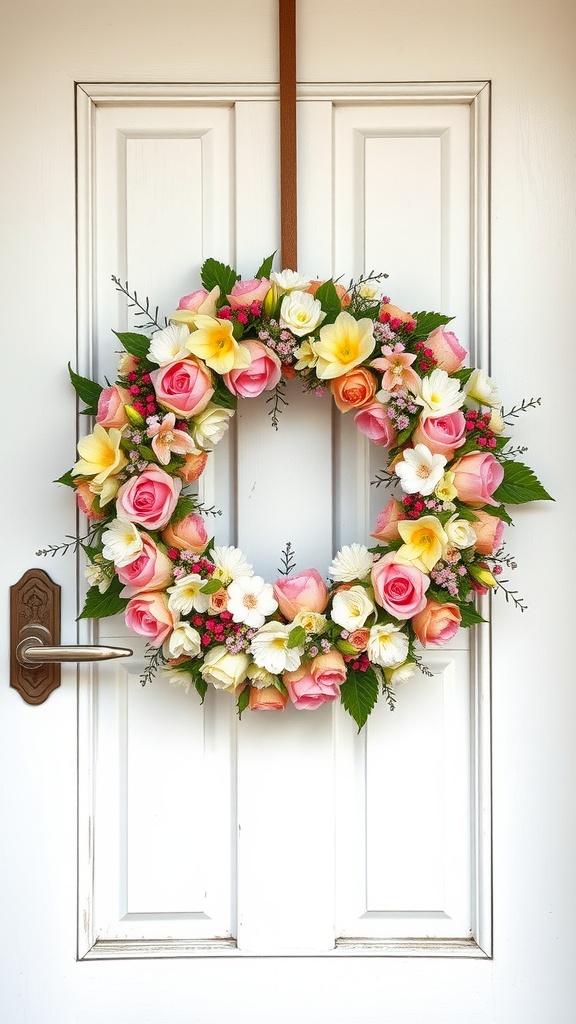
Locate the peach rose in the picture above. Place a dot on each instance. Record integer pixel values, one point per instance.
(390, 312)
(304, 592)
(387, 521)
(341, 292)
(446, 349)
(149, 615)
(183, 387)
(111, 411)
(187, 535)
(476, 477)
(489, 531)
(266, 699)
(437, 623)
(244, 293)
(263, 373)
(354, 389)
(150, 570)
(149, 499)
(193, 467)
(399, 589)
(85, 499)
(317, 681)
(442, 435)
(373, 421)
(359, 639)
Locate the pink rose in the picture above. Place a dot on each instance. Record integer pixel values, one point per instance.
(489, 531)
(373, 421)
(387, 521)
(399, 589)
(151, 570)
(244, 293)
(437, 623)
(263, 373)
(476, 477)
(150, 616)
(194, 300)
(304, 592)
(85, 499)
(446, 349)
(183, 387)
(441, 434)
(149, 499)
(316, 682)
(267, 698)
(187, 535)
(111, 411)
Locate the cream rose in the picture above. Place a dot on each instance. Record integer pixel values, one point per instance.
(224, 670)
(300, 313)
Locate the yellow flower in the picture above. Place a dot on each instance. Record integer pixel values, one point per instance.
(482, 575)
(214, 342)
(424, 542)
(306, 355)
(100, 454)
(445, 490)
(343, 345)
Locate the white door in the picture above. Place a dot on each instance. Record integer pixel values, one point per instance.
(285, 869)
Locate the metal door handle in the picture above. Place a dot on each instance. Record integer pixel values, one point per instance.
(33, 651)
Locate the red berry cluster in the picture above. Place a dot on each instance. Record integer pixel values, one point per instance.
(358, 662)
(477, 427)
(242, 315)
(425, 360)
(142, 392)
(414, 505)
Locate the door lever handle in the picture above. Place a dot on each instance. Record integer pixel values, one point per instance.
(35, 654)
(33, 651)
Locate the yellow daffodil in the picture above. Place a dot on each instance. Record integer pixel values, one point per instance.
(100, 454)
(214, 342)
(343, 345)
(424, 542)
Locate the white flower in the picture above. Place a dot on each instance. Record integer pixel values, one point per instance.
(210, 425)
(351, 608)
(185, 595)
(301, 313)
(496, 423)
(122, 542)
(420, 470)
(259, 677)
(230, 564)
(440, 394)
(184, 639)
(460, 533)
(482, 388)
(311, 622)
(387, 646)
(100, 576)
(225, 670)
(366, 291)
(177, 678)
(269, 648)
(402, 674)
(289, 281)
(169, 344)
(250, 600)
(351, 563)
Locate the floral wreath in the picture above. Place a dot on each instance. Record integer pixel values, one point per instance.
(207, 618)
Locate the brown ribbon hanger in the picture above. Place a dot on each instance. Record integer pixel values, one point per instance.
(288, 160)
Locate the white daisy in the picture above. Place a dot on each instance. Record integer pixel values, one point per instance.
(184, 639)
(351, 563)
(250, 600)
(269, 648)
(440, 394)
(122, 542)
(420, 471)
(289, 281)
(169, 345)
(185, 595)
(387, 646)
(351, 608)
(230, 564)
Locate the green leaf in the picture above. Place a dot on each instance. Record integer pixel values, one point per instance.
(466, 513)
(211, 587)
(345, 647)
(265, 267)
(215, 273)
(470, 616)
(499, 512)
(222, 396)
(328, 298)
(359, 693)
(147, 453)
(201, 687)
(296, 637)
(135, 344)
(185, 506)
(98, 606)
(464, 374)
(426, 323)
(520, 484)
(242, 702)
(67, 479)
(88, 391)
